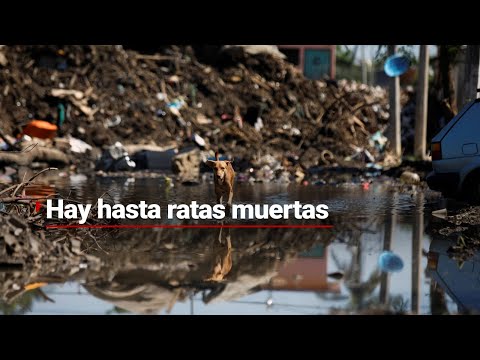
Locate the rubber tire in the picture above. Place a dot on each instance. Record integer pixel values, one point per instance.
(471, 188)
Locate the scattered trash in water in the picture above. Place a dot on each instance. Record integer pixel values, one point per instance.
(390, 262)
(442, 213)
(169, 182)
(336, 275)
(375, 170)
(409, 177)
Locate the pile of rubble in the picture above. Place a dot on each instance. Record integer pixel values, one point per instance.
(462, 227)
(30, 255)
(245, 105)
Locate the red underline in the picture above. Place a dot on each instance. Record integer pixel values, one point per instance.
(189, 226)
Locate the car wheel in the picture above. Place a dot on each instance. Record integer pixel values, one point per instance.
(471, 188)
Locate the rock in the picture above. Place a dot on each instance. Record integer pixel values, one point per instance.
(409, 177)
(310, 158)
(78, 146)
(186, 165)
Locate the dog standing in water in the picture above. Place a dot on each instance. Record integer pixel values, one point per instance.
(223, 178)
(222, 258)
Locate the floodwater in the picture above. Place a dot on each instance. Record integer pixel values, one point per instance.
(262, 271)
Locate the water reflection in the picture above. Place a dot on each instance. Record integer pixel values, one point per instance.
(154, 271)
(23, 304)
(221, 256)
(460, 280)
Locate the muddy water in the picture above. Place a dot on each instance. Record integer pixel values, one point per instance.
(261, 271)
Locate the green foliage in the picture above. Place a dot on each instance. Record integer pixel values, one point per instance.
(345, 56)
(451, 52)
(22, 305)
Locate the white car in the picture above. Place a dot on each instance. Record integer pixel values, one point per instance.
(456, 156)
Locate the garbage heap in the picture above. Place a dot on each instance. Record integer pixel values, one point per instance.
(245, 105)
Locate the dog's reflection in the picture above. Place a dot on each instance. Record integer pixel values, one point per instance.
(148, 286)
(221, 257)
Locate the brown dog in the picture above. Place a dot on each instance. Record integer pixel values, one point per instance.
(223, 177)
(222, 258)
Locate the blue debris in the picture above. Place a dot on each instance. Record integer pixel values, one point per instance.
(396, 65)
(390, 262)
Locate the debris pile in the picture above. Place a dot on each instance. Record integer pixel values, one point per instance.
(28, 258)
(22, 224)
(246, 105)
(463, 230)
